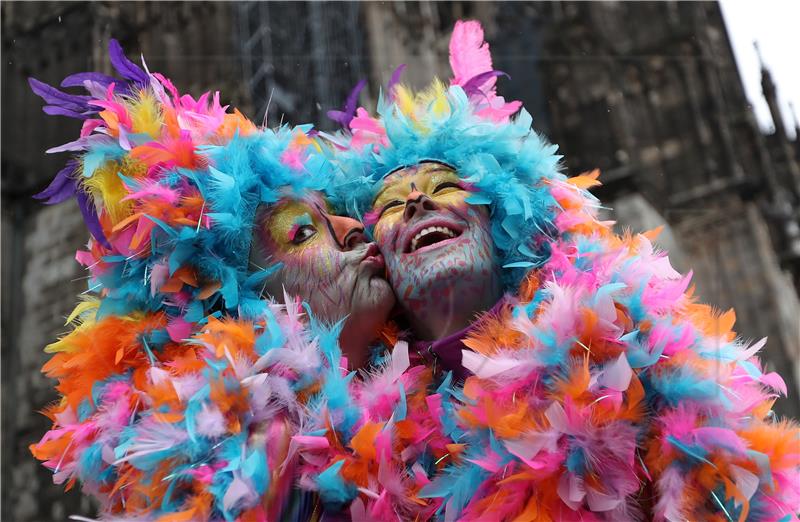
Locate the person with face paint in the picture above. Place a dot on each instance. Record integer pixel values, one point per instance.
(326, 260)
(183, 382)
(440, 256)
(599, 388)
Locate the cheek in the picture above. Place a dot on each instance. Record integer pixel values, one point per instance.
(383, 233)
(314, 268)
(323, 279)
(455, 200)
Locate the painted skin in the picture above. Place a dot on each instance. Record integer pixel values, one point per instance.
(328, 263)
(438, 248)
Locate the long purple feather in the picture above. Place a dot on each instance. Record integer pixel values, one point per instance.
(472, 86)
(77, 79)
(395, 79)
(61, 188)
(54, 110)
(344, 117)
(126, 68)
(53, 96)
(90, 218)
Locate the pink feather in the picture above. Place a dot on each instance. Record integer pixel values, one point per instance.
(774, 381)
(617, 375)
(711, 437)
(210, 422)
(156, 191)
(179, 329)
(670, 492)
(571, 490)
(89, 126)
(469, 54)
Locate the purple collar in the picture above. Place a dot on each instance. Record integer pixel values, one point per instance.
(445, 354)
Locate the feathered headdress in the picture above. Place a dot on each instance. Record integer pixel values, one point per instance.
(168, 187)
(468, 126)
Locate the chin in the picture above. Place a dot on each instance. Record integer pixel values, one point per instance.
(372, 302)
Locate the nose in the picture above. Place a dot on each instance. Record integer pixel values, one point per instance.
(348, 232)
(418, 203)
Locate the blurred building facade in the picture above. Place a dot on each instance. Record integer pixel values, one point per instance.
(647, 92)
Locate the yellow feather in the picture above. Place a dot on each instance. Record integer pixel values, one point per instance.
(107, 189)
(132, 168)
(88, 303)
(405, 100)
(145, 115)
(435, 97)
(87, 322)
(64, 344)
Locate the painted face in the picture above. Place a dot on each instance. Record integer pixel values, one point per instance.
(327, 262)
(438, 248)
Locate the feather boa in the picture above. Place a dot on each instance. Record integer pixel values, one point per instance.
(602, 391)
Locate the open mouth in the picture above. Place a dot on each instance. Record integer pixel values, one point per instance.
(431, 235)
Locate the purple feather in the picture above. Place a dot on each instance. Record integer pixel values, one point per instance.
(53, 96)
(472, 86)
(77, 79)
(61, 188)
(344, 117)
(90, 218)
(339, 117)
(395, 79)
(126, 68)
(54, 110)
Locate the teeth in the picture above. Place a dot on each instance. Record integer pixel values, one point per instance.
(429, 230)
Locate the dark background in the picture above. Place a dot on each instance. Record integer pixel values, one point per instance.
(647, 92)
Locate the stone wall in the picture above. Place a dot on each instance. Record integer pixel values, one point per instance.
(42, 261)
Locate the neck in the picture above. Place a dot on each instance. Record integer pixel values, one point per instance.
(436, 320)
(355, 340)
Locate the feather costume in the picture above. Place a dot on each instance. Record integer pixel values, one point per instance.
(180, 386)
(602, 391)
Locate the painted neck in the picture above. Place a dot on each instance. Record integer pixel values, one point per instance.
(355, 340)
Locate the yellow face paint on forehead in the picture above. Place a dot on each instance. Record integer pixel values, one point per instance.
(437, 181)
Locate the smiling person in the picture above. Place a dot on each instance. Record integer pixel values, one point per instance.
(438, 248)
(439, 253)
(600, 388)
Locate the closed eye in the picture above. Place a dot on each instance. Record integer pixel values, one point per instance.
(390, 205)
(446, 185)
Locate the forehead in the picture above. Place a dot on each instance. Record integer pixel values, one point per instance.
(284, 213)
(419, 170)
(311, 201)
